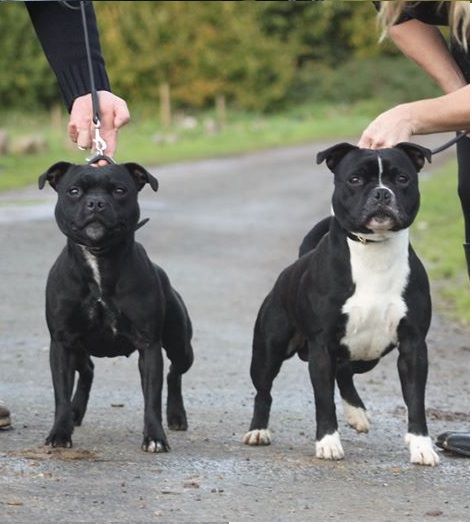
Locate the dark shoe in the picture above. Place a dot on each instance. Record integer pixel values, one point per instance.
(455, 441)
(5, 420)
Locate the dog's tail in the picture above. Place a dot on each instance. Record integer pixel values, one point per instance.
(314, 236)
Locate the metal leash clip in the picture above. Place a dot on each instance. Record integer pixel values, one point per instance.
(100, 146)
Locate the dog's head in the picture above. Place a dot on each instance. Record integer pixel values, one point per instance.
(96, 206)
(375, 190)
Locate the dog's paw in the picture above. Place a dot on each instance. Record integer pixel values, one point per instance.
(155, 446)
(329, 447)
(257, 437)
(356, 417)
(421, 450)
(177, 420)
(57, 439)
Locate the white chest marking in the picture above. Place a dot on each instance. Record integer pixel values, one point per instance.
(93, 264)
(380, 273)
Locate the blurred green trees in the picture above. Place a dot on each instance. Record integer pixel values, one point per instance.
(258, 55)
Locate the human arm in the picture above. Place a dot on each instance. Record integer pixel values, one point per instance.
(424, 44)
(449, 112)
(61, 34)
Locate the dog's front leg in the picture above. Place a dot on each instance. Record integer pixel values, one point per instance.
(151, 370)
(62, 369)
(322, 367)
(413, 371)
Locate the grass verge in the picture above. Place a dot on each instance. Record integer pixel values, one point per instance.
(438, 237)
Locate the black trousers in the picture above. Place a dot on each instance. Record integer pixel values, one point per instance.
(463, 160)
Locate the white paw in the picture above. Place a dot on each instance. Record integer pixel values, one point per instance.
(356, 417)
(329, 447)
(421, 450)
(257, 437)
(153, 447)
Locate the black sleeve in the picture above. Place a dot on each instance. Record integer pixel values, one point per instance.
(405, 15)
(433, 13)
(61, 34)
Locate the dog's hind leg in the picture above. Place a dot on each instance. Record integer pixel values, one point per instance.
(84, 366)
(354, 409)
(268, 354)
(176, 341)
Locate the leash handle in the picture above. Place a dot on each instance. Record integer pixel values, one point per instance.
(449, 143)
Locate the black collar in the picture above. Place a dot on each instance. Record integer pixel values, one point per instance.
(362, 239)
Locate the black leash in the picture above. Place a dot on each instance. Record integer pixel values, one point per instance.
(100, 144)
(449, 143)
(93, 91)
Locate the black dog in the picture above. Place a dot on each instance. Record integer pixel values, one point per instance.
(357, 291)
(105, 298)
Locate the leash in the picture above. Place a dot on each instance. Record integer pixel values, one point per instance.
(98, 141)
(449, 143)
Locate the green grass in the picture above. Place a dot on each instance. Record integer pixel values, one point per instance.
(242, 132)
(438, 237)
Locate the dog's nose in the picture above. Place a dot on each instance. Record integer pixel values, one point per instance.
(383, 195)
(95, 204)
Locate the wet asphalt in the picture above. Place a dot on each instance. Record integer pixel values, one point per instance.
(223, 230)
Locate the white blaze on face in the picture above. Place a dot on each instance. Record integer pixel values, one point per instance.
(381, 184)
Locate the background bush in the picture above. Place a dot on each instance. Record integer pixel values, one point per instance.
(259, 55)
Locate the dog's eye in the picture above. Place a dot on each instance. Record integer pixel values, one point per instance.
(402, 179)
(355, 181)
(119, 190)
(74, 191)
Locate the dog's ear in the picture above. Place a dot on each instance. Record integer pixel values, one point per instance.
(53, 174)
(141, 176)
(334, 154)
(417, 154)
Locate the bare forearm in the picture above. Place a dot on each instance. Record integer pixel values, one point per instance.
(450, 112)
(425, 45)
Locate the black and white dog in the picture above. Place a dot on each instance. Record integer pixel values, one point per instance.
(357, 291)
(106, 298)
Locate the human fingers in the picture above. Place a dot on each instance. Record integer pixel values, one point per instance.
(79, 127)
(84, 138)
(114, 114)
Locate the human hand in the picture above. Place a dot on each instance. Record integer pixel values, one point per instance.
(113, 114)
(389, 128)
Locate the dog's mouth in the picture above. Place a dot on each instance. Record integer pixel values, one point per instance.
(381, 220)
(95, 230)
